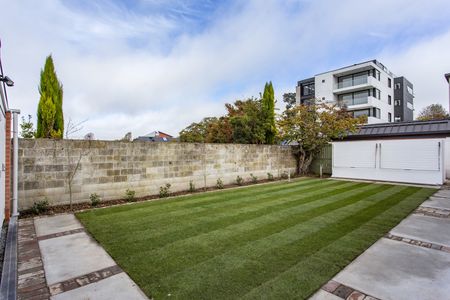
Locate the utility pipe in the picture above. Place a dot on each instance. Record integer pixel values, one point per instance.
(15, 183)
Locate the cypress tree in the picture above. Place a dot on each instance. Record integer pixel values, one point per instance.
(268, 105)
(50, 119)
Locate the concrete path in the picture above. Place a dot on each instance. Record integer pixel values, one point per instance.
(71, 265)
(411, 262)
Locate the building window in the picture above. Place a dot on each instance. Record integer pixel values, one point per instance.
(397, 119)
(345, 81)
(376, 113)
(397, 86)
(376, 74)
(389, 117)
(363, 112)
(410, 90)
(389, 82)
(397, 102)
(323, 80)
(355, 98)
(352, 80)
(409, 105)
(375, 93)
(389, 100)
(308, 89)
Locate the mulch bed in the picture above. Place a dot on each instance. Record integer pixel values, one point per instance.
(58, 209)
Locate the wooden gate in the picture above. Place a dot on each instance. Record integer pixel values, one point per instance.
(324, 159)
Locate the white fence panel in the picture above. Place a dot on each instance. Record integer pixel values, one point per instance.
(403, 160)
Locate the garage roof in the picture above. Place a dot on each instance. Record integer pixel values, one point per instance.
(403, 129)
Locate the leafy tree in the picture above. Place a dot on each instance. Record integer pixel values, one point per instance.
(26, 128)
(433, 112)
(219, 131)
(268, 107)
(289, 99)
(244, 123)
(247, 121)
(196, 132)
(50, 119)
(311, 127)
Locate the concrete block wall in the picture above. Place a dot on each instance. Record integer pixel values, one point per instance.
(108, 168)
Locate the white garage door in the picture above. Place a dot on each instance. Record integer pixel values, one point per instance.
(413, 161)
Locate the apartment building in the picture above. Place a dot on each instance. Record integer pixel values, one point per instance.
(366, 88)
(403, 100)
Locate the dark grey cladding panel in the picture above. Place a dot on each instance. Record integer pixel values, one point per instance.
(440, 127)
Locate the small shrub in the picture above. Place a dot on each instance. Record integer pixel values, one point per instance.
(254, 178)
(95, 199)
(239, 180)
(130, 195)
(40, 206)
(164, 191)
(284, 175)
(191, 186)
(219, 184)
(270, 177)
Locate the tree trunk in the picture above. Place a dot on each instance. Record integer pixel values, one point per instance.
(304, 160)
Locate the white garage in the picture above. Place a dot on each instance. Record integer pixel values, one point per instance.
(412, 152)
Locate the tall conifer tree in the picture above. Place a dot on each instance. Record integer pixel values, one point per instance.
(268, 105)
(50, 119)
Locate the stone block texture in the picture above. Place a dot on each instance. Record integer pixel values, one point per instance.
(108, 168)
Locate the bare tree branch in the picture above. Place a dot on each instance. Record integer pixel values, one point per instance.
(72, 127)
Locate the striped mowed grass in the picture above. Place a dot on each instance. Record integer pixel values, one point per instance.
(274, 241)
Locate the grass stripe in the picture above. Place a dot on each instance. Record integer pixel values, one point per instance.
(342, 250)
(211, 216)
(254, 261)
(167, 218)
(195, 252)
(254, 242)
(240, 235)
(195, 199)
(159, 236)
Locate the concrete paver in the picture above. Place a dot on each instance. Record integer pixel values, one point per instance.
(118, 287)
(76, 266)
(443, 193)
(437, 202)
(71, 256)
(395, 270)
(55, 224)
(424, 228)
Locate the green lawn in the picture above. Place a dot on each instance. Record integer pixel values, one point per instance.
(274, 241)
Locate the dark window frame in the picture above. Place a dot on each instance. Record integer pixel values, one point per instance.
(310, 87)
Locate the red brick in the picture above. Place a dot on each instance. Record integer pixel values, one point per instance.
(330, 286)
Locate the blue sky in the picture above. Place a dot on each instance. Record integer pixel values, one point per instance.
(149, 65)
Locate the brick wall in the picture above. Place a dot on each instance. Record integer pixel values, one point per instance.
(108, 168)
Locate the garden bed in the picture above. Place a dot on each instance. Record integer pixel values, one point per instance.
(65, 208)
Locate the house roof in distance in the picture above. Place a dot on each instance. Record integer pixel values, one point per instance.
(413, 129)
(157, 133)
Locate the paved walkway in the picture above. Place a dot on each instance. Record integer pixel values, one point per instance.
(411, 262)
(58, 260)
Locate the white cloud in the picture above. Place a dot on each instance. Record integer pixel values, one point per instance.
(177, 75)
(424, 64)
